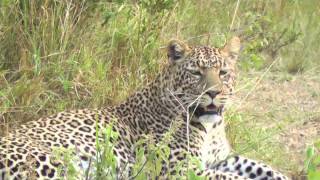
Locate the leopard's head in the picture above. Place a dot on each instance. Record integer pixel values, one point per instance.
(203, 77)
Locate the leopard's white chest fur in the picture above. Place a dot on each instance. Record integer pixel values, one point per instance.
(215, 146)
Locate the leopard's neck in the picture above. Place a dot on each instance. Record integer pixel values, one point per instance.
(215, 146)
(152, 106)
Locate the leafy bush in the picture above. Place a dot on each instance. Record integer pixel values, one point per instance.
(149, 158)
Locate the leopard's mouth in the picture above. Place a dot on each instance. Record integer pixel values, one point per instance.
(211, 109)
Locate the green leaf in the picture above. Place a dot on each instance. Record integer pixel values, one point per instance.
(314, 175)
(310, 152)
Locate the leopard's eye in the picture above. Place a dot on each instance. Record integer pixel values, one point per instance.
(223, 72)
(195, 72)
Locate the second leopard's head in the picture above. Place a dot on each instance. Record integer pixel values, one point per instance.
(202, 77)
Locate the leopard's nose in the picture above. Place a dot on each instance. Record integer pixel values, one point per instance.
(213, 94)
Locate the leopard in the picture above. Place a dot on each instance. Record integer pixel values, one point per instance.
(210, 145)
(27, 152)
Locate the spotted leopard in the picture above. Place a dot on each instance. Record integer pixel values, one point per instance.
(209, 143)
(27, 152)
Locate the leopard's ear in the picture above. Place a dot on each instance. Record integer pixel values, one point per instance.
(232, 49)
(177, 50)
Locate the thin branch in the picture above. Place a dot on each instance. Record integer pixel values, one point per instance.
(234, 15)
(144, 164)
(88, 170)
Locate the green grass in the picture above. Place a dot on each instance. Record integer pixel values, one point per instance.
(57, 55)
(312, 163)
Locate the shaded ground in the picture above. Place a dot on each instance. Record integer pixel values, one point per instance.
(287, 108)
